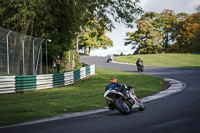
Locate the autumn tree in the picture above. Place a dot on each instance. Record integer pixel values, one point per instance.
(165, 32)
(188, 38)
(196, 47)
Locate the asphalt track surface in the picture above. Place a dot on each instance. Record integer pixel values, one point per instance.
(177, 113)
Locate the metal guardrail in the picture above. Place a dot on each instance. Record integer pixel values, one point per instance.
(13, 84)
(7, 84)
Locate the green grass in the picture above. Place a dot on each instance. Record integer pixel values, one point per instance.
(168, 60)
(84, 95)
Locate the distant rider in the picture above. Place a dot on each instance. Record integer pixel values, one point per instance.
(138, 61)
(110, 58)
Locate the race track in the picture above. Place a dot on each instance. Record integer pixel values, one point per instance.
(177, 113)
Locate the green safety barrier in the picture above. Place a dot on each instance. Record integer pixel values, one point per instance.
(58, 79)
(25, 83)
(87, 70)
(76, 75)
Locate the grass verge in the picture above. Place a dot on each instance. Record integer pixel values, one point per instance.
(168, 60)
(84, 95)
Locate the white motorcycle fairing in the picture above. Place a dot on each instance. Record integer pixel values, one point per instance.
(117, 100)
(113, 92)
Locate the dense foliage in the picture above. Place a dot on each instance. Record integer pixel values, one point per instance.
(66, 22)
(94, 36)
(166, 32)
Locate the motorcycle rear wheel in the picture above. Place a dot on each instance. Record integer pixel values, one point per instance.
(122, 106)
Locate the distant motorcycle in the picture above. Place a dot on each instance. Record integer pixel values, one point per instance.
(110, 58)
(117, 100)
(140, 67)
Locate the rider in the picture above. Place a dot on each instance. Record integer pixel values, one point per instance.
(139, 60)
(110, 57)
(122, 87)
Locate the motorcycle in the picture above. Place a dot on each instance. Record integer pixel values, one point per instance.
(117, 100)
(108, 60)
(140, 67)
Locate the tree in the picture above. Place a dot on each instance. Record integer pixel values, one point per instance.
(93, 36)
(196, 46)
(189, 34)
(163, 32)
(146, 39)
(165, 26)
(61, 20)
(198, 9)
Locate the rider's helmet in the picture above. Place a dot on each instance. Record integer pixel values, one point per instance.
(113, 80)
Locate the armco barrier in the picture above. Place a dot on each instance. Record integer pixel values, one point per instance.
(87, 70)
(92, 69)
(7, 84)
(58, 80)
(25, 83)
(76, 75)
(12, 84)
(44, 81)
(69, 78)
(82, 72)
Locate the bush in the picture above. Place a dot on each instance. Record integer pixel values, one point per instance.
(70, 61)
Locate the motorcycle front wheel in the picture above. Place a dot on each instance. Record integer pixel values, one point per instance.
(122, 107)
(141, 106)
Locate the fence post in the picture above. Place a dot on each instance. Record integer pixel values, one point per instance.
(47, 40)
(41, 60)
(8, 67)
(23, 54)
(39, 54)
(38, 60)
(34, 55)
